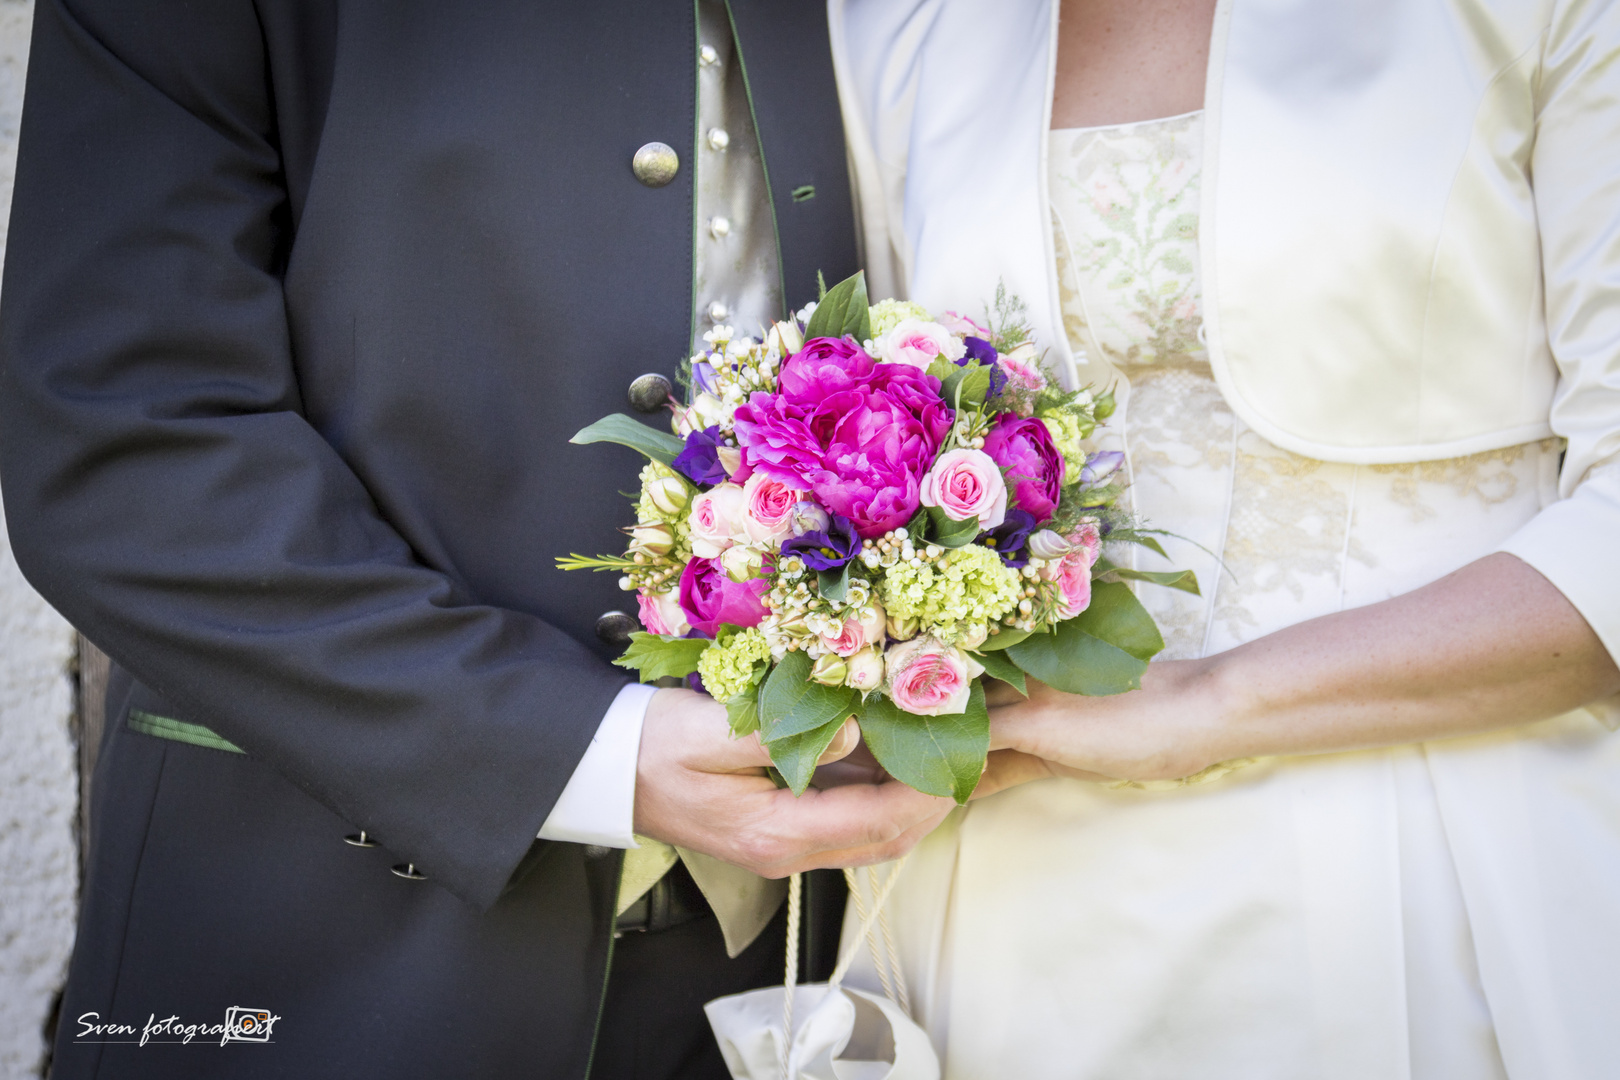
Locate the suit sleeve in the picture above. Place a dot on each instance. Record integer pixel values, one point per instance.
(165, 491)
(1576, 174)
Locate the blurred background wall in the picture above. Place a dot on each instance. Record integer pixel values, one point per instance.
(39, 856)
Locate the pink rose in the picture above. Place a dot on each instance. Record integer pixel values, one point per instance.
(1072, 573)
(1021, 369)
(709, 597)
(857, 634)
(962, 326)
(716, 519)
(918, 344)
(929, 678)
(966, 484)
(661, 614)
(768, 508)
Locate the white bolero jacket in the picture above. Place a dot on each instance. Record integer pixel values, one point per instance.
(1410, 231)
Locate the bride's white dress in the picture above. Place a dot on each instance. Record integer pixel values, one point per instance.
(1295, 918)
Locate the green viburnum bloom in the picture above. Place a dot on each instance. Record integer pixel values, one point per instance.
(959, 592)
(888, 314)
(727, 667)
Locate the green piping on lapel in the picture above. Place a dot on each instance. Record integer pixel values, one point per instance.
(179, 731)
(697, 148)
(759, 139)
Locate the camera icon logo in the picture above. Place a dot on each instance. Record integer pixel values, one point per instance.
(248, 1025)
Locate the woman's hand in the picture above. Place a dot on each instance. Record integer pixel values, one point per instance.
(1492, 645)
(1168, 729)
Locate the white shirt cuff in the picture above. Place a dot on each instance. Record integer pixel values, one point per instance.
(598, 805)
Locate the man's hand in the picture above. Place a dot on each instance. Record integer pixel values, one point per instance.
(699, 788)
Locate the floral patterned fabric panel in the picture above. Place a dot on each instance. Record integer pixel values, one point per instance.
(1275, 538)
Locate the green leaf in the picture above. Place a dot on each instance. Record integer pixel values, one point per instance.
(1118, 617)
(656, 655)
(949, 384)
(938, 755)
(1004, 640)
(626, 431)
(834, 584)
(743, 712)
(998, 665)
(790, 704)
(1185, 580)
(1104, 650)
(1140, 539)
(948, 533)
(842, 311)
(975, 385)
(795, 756)
(942, 369)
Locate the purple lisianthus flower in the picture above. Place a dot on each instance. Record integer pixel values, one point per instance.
(700, 461)
(978, 349)
(858, 435)
(1008, 539)
(1101, 465)
(1023, 447)
(703, 375)
(826, 549)
(709, 597)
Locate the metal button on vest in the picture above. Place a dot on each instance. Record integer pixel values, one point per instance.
(409, 872)
(649, 393)
(615, 628)
(655, 164)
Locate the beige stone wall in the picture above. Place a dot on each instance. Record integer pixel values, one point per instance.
(38, 783)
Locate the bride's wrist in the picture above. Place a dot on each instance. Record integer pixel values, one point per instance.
(1214, 703)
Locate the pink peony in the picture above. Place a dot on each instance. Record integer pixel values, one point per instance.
(918, 344)
(858, 435)
(929, 678)
(1034, 467)
(716, 519)
(709, 597)
(661, 614)
(1022, 370)
(966, 484)
(768, 509)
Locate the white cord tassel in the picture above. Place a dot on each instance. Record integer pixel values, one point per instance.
(791, 979)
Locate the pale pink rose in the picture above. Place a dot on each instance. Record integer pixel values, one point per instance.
(865, 669)
(963, 326)
(1072, 572)
(768, 509)
(967, 484)
(929, 678)
(917, 344)
(857, 634)
(661, 613)
(716, 518)
(1021, 369)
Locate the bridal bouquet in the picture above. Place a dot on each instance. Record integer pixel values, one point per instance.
(863, 513)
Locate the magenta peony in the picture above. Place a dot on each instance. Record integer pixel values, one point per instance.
(709, 597)
(858, 435)
(1034, 467)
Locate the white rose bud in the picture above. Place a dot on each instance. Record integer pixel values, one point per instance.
(974, 637)
(1047, 544)
(830, 670)
(742, 563)
(902, 629)
(789, 337)
(865, 669)
(669, 493)
(730, 458)
(652, 539)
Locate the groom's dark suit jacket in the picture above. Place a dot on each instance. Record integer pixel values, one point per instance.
(302, 302)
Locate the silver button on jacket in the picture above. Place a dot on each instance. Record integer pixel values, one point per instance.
(615, 628)
(649, 393)
(656, 164)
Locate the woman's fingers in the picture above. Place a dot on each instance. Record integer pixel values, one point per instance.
(1009, 768)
